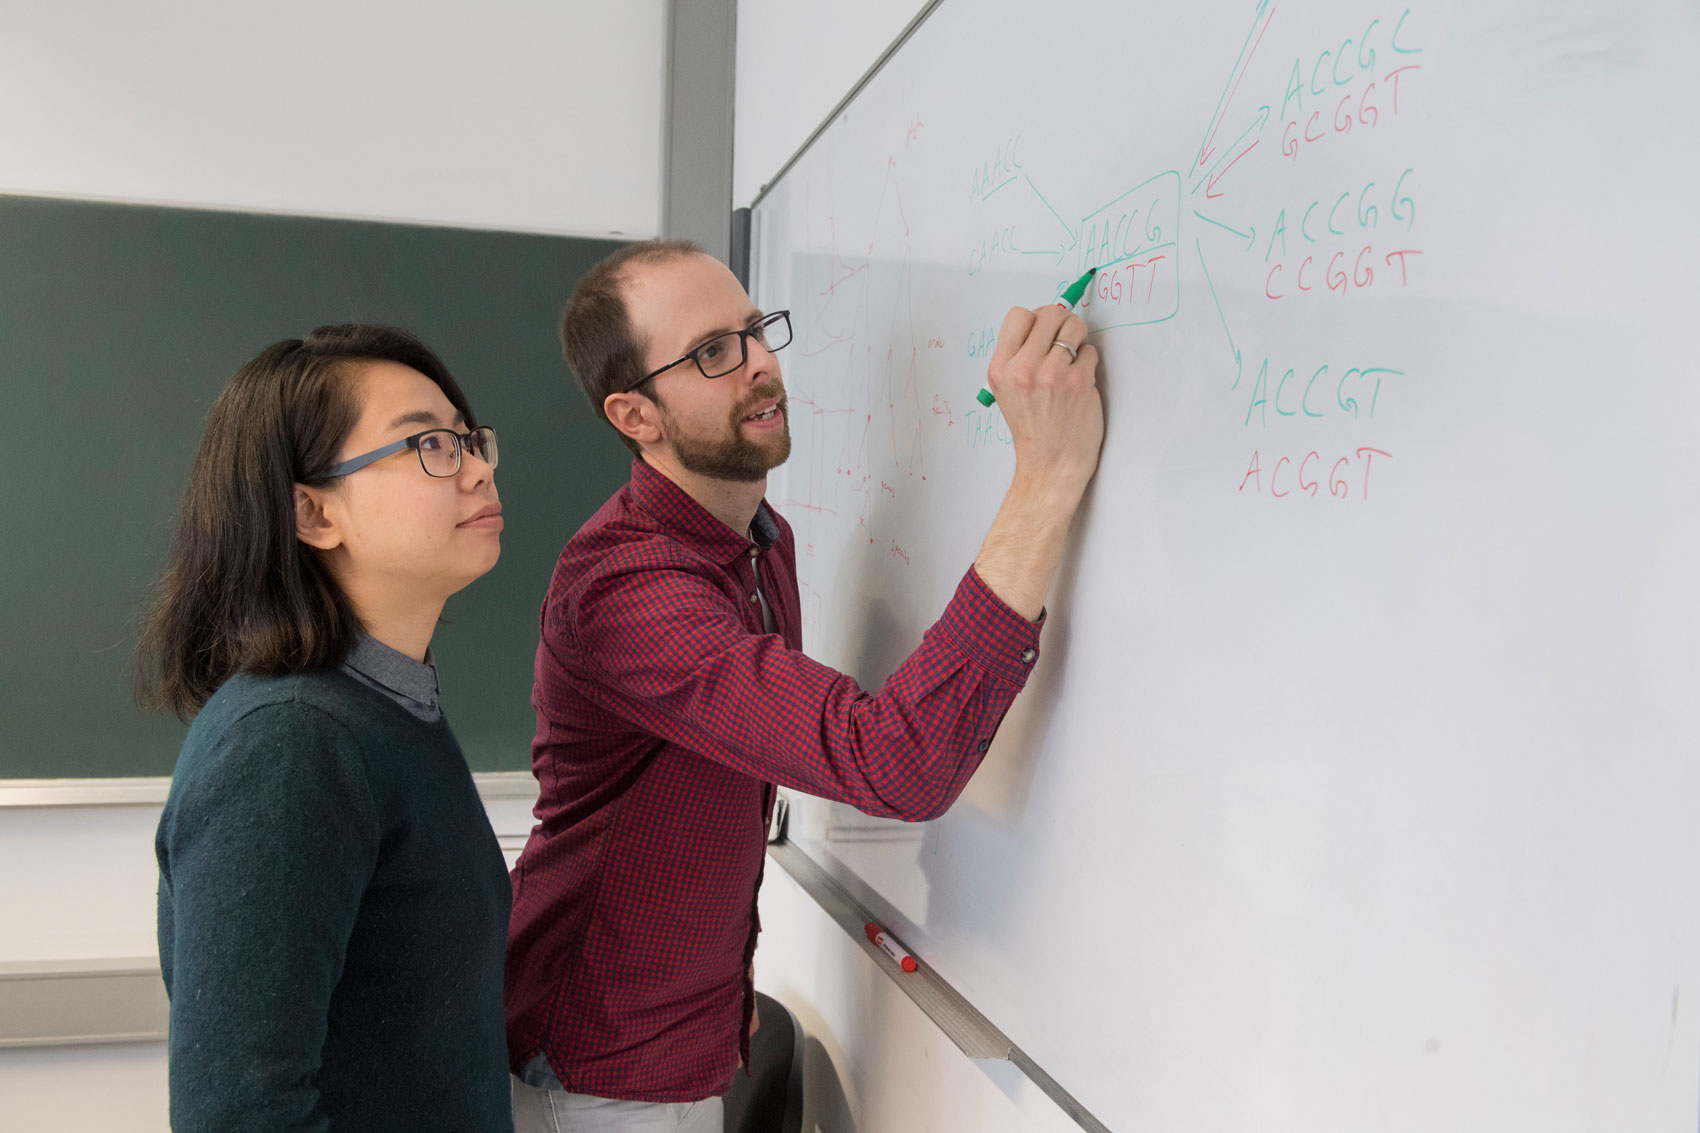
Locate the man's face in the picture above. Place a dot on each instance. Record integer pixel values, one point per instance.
(733, 427)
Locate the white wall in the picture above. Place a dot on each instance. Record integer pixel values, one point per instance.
(79, 884)
(796, 59)
(110, 1089)
(529, 115)
(89, 887)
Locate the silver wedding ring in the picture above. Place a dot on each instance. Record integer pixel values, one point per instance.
(1073, 352)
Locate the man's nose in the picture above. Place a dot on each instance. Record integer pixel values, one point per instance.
(758, 359)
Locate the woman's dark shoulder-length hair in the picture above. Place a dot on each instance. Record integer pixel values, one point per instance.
(240, 593)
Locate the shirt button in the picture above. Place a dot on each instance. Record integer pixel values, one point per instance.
(983, 745)
(1027, 656)
(755, 597)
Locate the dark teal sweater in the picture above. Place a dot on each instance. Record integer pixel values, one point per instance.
(333, 912)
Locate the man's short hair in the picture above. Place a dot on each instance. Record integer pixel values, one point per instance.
(597, 338)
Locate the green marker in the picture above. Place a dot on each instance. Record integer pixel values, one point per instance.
(1075, 291)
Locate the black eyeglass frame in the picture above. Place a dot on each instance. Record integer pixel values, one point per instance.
(462, 441)
(757, 328)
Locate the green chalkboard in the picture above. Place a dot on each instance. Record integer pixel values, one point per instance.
(118, 326)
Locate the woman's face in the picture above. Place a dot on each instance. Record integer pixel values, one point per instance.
(404, 534)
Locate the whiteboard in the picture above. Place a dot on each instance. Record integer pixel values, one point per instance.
(1355, 788)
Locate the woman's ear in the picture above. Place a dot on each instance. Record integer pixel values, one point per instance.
(314, 523)
(634, 415)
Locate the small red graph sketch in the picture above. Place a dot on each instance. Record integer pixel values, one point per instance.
(864, 411)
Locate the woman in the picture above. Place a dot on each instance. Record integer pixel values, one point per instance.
(333, 904)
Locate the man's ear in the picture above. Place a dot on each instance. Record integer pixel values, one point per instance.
(314, 523)
(635, 416)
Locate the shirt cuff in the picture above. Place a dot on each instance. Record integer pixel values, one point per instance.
(990, 632)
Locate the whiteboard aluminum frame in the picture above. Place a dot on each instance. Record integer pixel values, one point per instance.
(867, 77)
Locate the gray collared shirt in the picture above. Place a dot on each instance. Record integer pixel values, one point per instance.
(411, 684)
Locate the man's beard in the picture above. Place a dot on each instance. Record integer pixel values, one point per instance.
(736, 457)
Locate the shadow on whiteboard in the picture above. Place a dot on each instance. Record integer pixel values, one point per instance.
(880, 639)
(999, 789)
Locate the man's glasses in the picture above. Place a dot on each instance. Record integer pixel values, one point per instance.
(439, 451)
(724, 353)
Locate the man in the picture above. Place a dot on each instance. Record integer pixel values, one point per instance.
(672, 692)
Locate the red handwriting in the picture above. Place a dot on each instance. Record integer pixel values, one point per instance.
(832, 285)
(809, 603)
(1288, 477)
(1311, 276)
(1132, 283)
(1362, 109)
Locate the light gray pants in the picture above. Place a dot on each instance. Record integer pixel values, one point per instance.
(540, 1109)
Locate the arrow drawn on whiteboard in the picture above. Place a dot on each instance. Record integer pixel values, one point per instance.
(1248, 237)
(1073, 234)
(1207, 149)
(1218, 171)
(1199, 244)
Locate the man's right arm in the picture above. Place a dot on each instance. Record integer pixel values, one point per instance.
(666, 651)
(1053, 408)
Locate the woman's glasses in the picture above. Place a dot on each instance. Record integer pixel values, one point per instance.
(439, 451)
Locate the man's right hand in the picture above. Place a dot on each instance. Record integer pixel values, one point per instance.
(1056, 416)
(1049, 399)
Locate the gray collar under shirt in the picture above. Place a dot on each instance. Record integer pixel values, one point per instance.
(411, 684)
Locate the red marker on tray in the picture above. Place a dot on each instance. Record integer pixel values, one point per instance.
(893, 949)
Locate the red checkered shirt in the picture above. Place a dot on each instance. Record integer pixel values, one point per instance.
(665, 715)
